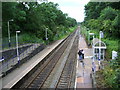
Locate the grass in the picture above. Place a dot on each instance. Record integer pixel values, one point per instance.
(68, 32)
(22, 39)
(111, 45)
(29, 38)
(63, 35)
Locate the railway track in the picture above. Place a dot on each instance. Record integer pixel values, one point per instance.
(38, 79)
(65, 80)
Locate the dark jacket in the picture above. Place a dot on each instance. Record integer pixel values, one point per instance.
(79, 53)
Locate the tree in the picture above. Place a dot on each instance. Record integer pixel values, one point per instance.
(93, 9)
(108, 14)
(103, 16)
(116, 25)
(31, 17)
(8, 12)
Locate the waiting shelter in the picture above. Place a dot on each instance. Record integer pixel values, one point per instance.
(98, 49)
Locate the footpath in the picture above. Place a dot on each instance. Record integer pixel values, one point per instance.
(83, 78)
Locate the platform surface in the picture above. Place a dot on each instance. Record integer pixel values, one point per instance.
(83, 79)
(9, 80)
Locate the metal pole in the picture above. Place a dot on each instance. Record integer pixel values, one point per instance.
(9, 35)
(18, 58)
(46, 33)
(93, 49)
(99, 48)
(88, 37)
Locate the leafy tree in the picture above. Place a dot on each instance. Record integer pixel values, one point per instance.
(93, 9)
(116, 25)
(107, 27)
(114, 5)
(31, 17)
(71, 22)
(107, 18)
(108, 13)
(8, 12)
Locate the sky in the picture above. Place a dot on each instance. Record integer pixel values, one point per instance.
(74, 8)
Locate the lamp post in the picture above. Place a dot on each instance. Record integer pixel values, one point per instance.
(100, 36)
(93, 59)
(46, 34)
(18, 58)
(93, 46)
(58, 32)
(9, 32)
(88, 36)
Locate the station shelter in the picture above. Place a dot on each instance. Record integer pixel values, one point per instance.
(99, 48)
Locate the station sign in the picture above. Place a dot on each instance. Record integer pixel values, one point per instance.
(101, 34)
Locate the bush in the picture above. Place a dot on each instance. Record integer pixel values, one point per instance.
(29, 38)
(111, 45)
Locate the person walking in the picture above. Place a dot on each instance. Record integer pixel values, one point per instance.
(81, 54)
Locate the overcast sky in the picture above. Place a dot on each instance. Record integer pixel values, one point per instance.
(74, 8)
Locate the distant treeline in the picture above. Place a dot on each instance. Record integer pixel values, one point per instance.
(34, 18)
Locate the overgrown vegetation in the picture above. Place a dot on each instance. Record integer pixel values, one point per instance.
(26, 38)
(105, 16)
(32, 19)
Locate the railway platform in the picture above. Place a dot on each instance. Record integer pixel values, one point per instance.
(83, 70)
(12, 78)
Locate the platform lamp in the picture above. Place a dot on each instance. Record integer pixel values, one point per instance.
(9, 32)
(18, 58)
(101, 35)
(46, 30)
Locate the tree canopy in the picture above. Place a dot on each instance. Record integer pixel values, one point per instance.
(31, 17)
(103, 16)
